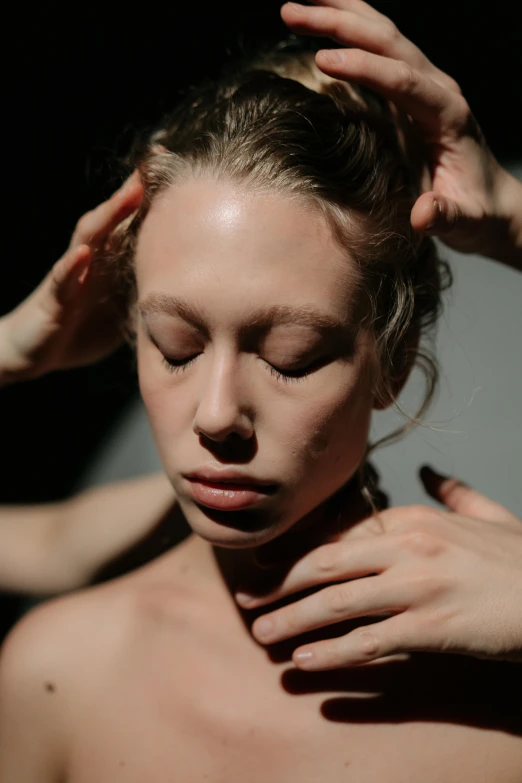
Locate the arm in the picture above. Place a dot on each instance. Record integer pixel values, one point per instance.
(56, 547)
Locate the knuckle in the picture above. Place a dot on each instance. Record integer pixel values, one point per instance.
(339, 598)
(425, 583)
(84, 228)
(423, 542)
(407, 78)
(464, 119)
(84, 223)
(389, 33)
(451, 84)
(338, 29)
(462, 106)
(367, 643)
(327, 560)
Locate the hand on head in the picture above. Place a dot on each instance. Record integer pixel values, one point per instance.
(467, 199)
(71, 318)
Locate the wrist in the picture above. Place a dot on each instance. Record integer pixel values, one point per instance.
(506, 245)
(13, 366)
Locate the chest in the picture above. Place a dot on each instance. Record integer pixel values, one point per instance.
(232, 716)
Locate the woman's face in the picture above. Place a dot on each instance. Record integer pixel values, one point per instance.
(253, 370)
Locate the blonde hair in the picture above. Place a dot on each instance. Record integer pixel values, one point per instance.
(276, 122)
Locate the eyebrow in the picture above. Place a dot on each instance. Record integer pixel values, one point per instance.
(302, 315)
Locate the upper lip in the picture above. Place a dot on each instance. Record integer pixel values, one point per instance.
(226, 476)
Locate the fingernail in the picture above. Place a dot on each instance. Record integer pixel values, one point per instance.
(304, 657)
(264, 627)
(295, 7)
(427, 470)
(245, 599)
(435, 212)
(331, 55)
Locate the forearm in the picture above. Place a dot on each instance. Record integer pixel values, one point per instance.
(11, 367)
(27, 534)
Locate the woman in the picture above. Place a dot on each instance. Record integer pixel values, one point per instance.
(280, 297)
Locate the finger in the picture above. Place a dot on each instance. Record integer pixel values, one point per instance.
(398, 634)
(94, 226)
(358, 598)
(371, 33)
(330, 563)
(400, 47)
(438, 215)
(425, 100)
(69, 273)
(359, 6)
(462, 499)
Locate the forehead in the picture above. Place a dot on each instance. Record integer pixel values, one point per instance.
(205, 239)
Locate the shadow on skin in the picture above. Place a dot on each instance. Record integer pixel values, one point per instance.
(421, 687)
(418, 687)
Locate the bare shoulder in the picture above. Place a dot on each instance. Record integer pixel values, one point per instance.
(61, 656)
(48, 663)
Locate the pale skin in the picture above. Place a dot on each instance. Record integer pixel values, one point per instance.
(477, 197)
(69, 321)
(89, 609)
(157, 675)
(53, 548)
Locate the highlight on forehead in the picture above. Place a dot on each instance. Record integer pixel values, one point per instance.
(273, 315)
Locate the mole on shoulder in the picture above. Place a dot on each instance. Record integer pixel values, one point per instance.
(50, 687)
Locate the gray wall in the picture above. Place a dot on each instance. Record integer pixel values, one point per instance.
(474, 428)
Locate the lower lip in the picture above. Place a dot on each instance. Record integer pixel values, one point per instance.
(227, 497)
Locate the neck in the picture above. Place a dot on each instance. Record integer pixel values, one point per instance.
(251, 569)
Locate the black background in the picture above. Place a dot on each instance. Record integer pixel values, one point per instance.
(77, 81)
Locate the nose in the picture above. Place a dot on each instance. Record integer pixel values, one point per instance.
(221, 412)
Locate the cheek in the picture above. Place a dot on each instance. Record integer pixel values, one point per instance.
(165, 410)
(334, 430)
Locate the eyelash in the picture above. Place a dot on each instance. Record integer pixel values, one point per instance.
(180, 365)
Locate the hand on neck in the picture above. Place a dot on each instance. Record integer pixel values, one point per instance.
(258, 569)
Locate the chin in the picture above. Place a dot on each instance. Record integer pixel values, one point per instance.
(233, 529)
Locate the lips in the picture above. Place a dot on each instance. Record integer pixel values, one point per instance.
(227, 490)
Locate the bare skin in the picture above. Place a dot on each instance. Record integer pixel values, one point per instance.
(56, 547)
(479, 210)
(83, 678)
(157, 677)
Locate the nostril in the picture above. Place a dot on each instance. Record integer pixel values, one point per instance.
(233, 449)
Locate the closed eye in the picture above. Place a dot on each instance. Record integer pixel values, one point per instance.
(284, 375)
(178, 365)
(298, 374)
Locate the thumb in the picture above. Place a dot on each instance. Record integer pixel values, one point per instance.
(436, 215)
(462, 499)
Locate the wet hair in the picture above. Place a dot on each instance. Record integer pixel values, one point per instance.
(276, 123)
